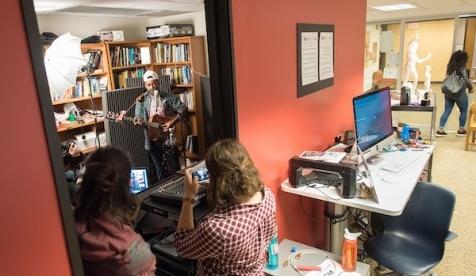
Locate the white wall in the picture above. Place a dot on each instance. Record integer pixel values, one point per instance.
(195, 18)
(372, 35)
(84, 26)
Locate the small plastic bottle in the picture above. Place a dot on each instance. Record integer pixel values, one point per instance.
(272, 260)
(349, 251)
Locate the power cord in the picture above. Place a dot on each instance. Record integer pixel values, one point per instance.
(294, 257)
(304, 210)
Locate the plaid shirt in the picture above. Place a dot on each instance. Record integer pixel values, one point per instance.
(231, 240)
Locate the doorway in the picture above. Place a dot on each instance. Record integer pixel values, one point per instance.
(222, 101)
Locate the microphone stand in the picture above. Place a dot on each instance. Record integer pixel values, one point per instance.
(88, 68)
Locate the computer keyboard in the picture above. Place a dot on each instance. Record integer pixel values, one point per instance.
(399, 161)
(171, 191)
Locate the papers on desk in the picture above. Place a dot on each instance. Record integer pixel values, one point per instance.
(326, 156)
(331, 268)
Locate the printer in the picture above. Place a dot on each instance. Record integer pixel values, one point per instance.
(340, 175)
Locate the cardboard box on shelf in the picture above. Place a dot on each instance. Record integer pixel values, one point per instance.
(169, 30)
(111, 35)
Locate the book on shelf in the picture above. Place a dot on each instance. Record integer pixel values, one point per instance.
(129, 56)
(167, 53)
(121, 76)
(187, 99)
(191, 144)
(180, 75)
(86, 87)
(145, 55)
(103, 84)
(94, 86)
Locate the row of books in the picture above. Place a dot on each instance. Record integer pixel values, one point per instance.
(120, 77)
(89, 86)
(178, 75)
(83, 88)
(128, 56)
(187, 99)
(172, 53)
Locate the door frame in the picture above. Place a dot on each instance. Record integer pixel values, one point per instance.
(222, 84)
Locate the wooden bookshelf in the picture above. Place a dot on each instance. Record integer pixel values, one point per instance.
(188, 52)
(180, 67)
(72, 100)
(84, 100)
(165, 64)
(77, 125)
(119, 68)
(125, 60)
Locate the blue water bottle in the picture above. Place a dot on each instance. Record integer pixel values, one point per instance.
(272, 260)
(405, 134)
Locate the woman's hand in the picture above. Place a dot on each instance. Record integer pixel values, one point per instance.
(74, 150)
(191, 185)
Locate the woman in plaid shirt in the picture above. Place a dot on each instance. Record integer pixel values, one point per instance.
(232, 239)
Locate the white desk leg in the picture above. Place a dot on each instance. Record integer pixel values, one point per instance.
(433, 122)
(335, 231)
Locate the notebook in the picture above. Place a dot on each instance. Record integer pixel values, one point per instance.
(139, 181)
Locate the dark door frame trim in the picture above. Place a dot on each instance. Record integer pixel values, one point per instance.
(220, 48)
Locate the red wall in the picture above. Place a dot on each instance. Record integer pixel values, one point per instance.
(31, 239)
(272, 122)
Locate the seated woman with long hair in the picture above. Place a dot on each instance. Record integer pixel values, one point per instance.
(232, 239)
(109, 245)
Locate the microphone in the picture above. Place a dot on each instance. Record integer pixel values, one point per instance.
(140, 98)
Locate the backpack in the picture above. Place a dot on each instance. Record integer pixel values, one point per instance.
(453, 83)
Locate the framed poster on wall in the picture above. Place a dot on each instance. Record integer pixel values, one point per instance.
(315, 57)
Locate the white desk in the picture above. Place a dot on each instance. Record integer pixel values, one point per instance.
(393, 191)
(285, 250)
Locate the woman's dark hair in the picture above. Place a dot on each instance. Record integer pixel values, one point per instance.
(105, 186)
(457, 61)
(233, 176)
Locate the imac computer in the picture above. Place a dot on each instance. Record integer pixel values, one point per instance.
(373, 121)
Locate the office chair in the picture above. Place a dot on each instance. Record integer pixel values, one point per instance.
(471, 135)
(414, 242)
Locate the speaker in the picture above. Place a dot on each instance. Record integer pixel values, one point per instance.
(405, 95)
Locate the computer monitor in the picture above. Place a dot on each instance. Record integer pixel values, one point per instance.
(139, 182)
(373, 120)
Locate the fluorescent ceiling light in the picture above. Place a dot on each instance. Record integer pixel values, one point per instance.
(395, 7)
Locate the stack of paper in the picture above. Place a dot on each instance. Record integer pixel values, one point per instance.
(326, 156)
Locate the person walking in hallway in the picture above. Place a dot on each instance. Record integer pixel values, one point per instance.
(456, 64)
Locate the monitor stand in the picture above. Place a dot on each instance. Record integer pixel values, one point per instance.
(370, 155)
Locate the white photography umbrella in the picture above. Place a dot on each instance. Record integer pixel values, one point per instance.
(63, 59)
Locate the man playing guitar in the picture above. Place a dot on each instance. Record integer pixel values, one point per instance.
(151, 106)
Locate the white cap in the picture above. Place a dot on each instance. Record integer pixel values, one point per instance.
(150, 75)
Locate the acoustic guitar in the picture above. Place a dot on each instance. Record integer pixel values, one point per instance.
(154, 127)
